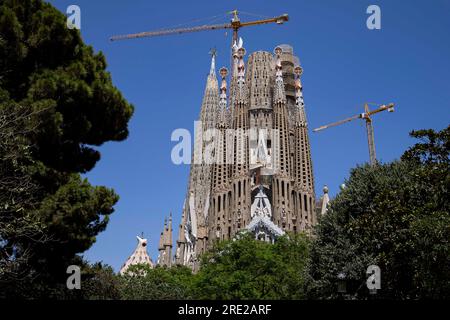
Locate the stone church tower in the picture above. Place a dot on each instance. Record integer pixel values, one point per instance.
(252, 165)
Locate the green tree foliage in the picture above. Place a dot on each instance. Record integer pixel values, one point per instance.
(250, 269)
(65, 86)
(432, 229)
(18, 222)
(44, 64)
(244, 268)
(393, 215)
(99, 282)
(143, 283)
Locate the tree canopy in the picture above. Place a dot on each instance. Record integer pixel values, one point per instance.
(396, 216)
(244, 268)
(247, 268)
(45, 65)
(71, 105)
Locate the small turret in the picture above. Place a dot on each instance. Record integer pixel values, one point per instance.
(324, 201)
(139, 256)
(168, 240)
(165, 244)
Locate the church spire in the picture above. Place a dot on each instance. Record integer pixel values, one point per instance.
(222, 114)
(165, 244)
(299, 103)
(241, 69)
(210, 96)
(237, 90)
(212, 70)
(280, 95)
(303, 171)
(169, 232)
(139, 256)
(235, 56)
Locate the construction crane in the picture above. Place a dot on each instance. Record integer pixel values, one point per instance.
(235, 24)
(367, 117)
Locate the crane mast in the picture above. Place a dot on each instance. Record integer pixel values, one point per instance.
(371, 141)
(369, 126)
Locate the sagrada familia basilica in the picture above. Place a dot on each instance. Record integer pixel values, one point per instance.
(256, 174)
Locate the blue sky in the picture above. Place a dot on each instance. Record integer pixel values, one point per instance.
(345, 65)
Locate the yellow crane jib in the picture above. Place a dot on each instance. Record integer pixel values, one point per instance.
(235, 24)
(366, 115)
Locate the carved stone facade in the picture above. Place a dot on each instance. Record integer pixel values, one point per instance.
(261, 176)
